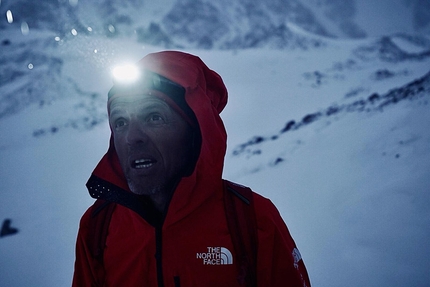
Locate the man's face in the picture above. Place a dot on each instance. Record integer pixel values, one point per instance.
(152, 141)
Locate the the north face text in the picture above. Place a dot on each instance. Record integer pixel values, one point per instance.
(216, 256)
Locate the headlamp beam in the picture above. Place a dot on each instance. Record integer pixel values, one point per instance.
(126, 74)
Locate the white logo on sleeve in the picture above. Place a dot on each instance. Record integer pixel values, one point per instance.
(297, 257)
(216, 256)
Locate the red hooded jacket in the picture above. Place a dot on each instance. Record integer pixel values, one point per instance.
(192, 246)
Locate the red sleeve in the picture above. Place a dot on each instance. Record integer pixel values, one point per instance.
(279, 260)
(87, 270)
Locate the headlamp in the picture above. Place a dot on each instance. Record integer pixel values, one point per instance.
(131, 79)
(142, 80)
(126, 74)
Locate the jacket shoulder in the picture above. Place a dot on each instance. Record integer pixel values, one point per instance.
(265, 209)
(86, 217)
(277, 247)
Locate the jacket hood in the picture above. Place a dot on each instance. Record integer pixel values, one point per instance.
(206, 95)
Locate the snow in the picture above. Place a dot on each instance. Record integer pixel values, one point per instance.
(405, 45)
(353, 188)
(384, 17)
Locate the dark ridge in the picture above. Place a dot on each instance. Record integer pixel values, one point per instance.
(374, 102)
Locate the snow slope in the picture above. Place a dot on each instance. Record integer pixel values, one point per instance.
(351, 183)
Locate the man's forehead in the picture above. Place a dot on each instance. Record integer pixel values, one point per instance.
(143, 100)
(135, 100)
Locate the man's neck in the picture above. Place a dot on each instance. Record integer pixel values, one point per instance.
(162, 197)
(160, 201)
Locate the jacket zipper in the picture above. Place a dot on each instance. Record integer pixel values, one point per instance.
(158, 257)
(158, 254)
(177, 281)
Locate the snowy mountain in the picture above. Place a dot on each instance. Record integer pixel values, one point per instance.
(333, 129)
(220, 24)
(32, 65)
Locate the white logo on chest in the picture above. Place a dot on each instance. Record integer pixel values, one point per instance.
(216, 256)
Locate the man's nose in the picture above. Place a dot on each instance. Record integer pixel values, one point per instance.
(136, 133)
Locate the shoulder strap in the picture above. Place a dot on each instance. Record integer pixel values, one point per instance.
(101, 215)
(242, 224)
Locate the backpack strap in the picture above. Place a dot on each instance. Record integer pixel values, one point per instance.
(101, 215)
(242, 224)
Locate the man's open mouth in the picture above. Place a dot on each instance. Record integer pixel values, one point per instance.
(143, 163)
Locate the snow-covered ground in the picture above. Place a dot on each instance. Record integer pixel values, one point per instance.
(352, 185)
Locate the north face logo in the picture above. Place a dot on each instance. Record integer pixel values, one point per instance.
(216, 256)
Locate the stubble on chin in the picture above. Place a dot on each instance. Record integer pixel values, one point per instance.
(139, 189)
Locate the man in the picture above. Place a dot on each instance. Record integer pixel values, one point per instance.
(163, 175)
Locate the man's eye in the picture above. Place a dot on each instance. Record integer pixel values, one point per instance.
(120, 123)
(156, 119)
